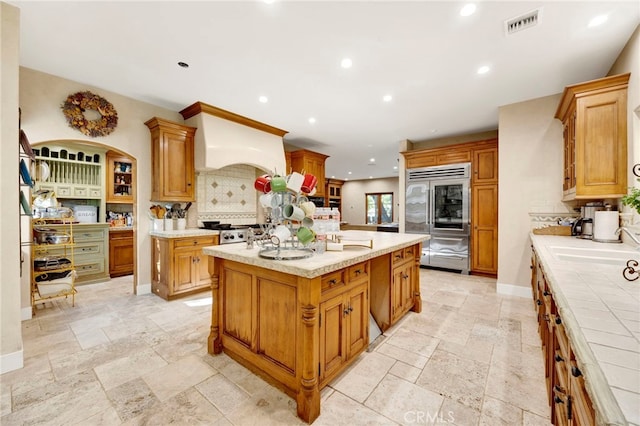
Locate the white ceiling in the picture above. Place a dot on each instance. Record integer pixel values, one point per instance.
(423, 53)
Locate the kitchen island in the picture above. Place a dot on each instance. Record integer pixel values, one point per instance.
(299, 323)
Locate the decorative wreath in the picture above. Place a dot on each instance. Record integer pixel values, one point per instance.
(75, 106)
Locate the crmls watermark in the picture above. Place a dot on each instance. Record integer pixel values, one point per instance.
(425, 418)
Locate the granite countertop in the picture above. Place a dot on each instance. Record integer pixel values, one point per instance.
(189, 232)
(319, 264)
(120, 228)
(601, 314)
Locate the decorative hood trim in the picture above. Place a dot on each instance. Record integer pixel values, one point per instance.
(225, 138)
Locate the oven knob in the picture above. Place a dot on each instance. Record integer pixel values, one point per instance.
(231, 237)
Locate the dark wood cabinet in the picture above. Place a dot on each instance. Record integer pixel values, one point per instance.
(121, 252)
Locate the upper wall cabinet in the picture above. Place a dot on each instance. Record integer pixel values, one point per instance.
(594, 115)
(173, 172)
(120, 178)
(309, 162)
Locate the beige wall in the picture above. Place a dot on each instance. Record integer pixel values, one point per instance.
(629, 61)
(353, 198)
(530, 176)
(11, 333)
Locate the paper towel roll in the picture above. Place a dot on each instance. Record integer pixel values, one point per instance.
(605, 225)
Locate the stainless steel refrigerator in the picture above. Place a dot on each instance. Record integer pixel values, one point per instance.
(438, 203)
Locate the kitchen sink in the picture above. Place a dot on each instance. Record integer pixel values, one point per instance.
(602, 256)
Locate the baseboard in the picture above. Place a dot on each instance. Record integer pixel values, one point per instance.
(514, 290)
(12, 361)
(143, 289)
(26, 313)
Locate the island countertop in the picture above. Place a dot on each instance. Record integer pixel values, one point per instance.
(319, 264)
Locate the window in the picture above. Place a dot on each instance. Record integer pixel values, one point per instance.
(379, 207)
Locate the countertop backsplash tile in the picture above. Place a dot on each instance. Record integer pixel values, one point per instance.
(226, 195)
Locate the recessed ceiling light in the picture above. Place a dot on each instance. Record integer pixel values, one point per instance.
(183, 64)
(483, 69)
(312, 120)
(370, 177)
(372, 160)
(468, 9)
(263, 99)
(346, 63)
(395, 167)
(268, 1)
(598, 20)
(333, 177)
(387, 98)
(346, 178)
(434, 130)
(348, 173)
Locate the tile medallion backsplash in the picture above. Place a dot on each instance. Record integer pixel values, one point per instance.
(227, 195)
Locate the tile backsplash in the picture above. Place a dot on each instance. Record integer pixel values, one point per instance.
(227, 195)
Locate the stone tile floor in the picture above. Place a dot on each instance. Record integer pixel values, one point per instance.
(472, 357)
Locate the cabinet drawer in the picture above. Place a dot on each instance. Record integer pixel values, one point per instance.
(89, 235)
(95, 192)
(359, 271)
(87, 249)
(80, 191)
(90, 267)
(410, 252)
(333, 280)
(193, 241)
(397, 256)
(63, 191)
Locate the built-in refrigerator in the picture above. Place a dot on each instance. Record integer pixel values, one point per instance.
(438, 203)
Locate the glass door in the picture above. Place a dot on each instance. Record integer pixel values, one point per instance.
(450, 206)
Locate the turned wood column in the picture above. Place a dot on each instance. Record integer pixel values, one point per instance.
(415, 285)
(214, 343)
(308, 397)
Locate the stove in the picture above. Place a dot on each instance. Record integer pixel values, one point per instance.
(238, 233)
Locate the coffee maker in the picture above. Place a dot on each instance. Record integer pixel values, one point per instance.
(583, 227)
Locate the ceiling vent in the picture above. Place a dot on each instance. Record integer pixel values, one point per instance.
(522, 22)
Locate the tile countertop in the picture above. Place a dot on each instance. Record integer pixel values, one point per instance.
(601, 314)
(319, 264)
(189, 232)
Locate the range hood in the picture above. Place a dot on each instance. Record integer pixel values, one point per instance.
(224, 138)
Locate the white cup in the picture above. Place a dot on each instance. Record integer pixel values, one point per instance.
(308, 208)
(266, 199)
(280, 234)
(157, 224)
(294, 181)
(293, 212)
(181, 224)
(307, 222)
(168, 224)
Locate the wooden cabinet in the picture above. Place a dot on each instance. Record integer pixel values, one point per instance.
(594, 116)
(179, 267)
(121, 253)
(333, 193)
(310, 162)
(567, 395)
(120, 178)
(484, 229)
(396, 287)
(173, 171)
(483, 156)
(344, 329)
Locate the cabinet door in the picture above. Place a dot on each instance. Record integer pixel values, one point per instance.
(201, 273)
(484, 233)
(184, 273)
(402, 295)
(358, 319)
(601, 145)
(333, 314)
(177, 166)
(485, 166)
(120, 253)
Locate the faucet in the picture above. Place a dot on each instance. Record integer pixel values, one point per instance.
(633, 236)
